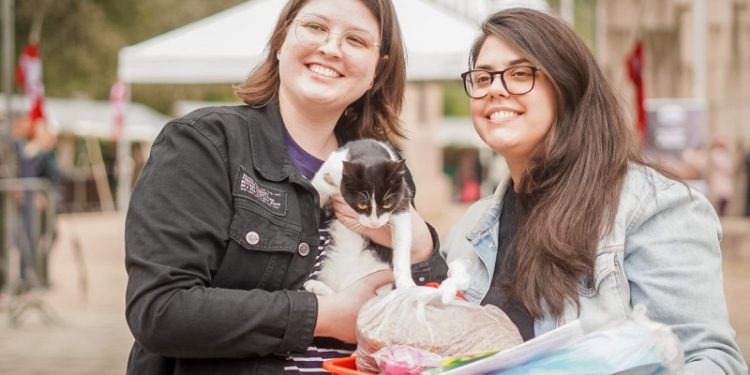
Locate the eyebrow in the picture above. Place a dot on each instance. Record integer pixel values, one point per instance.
(510, 63)
(324, 18)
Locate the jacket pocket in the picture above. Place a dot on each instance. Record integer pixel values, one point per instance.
(255, 231)
(258, 253)
(604, 273)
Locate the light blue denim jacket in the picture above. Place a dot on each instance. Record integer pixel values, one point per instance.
(662, 252)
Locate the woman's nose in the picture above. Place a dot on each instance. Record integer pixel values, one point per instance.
(497, 88)
(332, 46)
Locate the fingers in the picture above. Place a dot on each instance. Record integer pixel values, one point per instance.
(340, 204)
(343, 211)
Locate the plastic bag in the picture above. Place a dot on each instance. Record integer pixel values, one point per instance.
(418, 318)
(636, 346)
(405, 360)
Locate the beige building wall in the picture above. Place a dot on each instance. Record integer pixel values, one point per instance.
(421, 115)
(666, 27)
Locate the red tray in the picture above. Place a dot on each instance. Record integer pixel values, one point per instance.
(344, 366)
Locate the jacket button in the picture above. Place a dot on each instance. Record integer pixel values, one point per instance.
(252, 238)
(303, 249)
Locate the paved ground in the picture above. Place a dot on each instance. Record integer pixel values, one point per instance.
(88, 297)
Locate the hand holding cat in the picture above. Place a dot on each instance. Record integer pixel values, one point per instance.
(337, 313)
(345, 214)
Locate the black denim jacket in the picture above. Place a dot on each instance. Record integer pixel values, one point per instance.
(220, 234)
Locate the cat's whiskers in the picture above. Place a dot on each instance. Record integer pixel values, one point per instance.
(389, 195)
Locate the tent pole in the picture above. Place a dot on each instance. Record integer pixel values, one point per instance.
(124, 163)
(7, 165)
(7, 157)
(99, 170)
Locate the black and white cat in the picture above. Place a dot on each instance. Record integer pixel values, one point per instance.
(370, 177)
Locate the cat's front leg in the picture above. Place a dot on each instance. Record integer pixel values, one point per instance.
(327, 180)
(318, 287)
(401, 245)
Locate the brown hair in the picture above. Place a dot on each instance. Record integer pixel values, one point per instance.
(375, 114)
(571, 186)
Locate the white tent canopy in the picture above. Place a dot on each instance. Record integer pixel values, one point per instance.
(93, 118)
(224, 48)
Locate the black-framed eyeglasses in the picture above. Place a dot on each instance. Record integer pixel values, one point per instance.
(516, 80)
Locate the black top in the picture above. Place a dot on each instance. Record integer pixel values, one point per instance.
(504, 264)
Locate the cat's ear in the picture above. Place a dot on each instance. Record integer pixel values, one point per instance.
(398, 168)
(350, 168)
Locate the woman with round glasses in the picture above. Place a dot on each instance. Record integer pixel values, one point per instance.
(582, 228)
(224, 226)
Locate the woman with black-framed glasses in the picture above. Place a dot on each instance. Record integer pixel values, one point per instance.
(582, 227)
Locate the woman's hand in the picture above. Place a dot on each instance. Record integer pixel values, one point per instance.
(346, 215)
(421, 246)
(337, 313)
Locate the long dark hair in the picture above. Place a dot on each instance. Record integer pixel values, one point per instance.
(375, 114)
(571, 186)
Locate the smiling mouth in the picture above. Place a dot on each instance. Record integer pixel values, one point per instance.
(323, 71)
(503, 115)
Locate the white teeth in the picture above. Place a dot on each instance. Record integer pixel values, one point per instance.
(322, 70)
(502, 115)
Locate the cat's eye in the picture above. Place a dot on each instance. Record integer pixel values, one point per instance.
(387, 205)
(362, 206)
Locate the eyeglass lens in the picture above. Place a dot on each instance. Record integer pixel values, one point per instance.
(516, 80)
(313, 31)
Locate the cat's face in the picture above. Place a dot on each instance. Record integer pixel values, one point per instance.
(374, 191)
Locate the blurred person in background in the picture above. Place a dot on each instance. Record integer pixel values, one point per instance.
(35, 143)
(582, 228)
(224, 226)
(720, 174)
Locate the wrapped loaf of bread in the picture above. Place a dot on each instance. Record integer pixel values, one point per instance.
(418, 318)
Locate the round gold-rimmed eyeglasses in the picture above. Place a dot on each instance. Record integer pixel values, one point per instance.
(314, 31)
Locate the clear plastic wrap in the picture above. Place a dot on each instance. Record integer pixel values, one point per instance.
(417, 317)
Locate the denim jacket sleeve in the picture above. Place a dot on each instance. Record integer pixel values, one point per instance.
(673, 265)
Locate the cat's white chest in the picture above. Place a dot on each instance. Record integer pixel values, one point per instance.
(347, 258)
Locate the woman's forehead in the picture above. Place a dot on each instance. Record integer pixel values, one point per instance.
(497, 53)
(349, 14)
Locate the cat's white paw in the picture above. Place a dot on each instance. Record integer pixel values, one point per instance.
(318, 287)
(458, 279)
(447, 290)
(404, 282)
(331, 181)
(326, 185)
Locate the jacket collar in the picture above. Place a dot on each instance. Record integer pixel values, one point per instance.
(270, 157)
(489, 218)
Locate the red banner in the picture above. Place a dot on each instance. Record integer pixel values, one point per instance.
(117, 98)
(29, 77)
(634, 62)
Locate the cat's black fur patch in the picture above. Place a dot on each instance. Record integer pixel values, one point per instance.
(372, 170)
